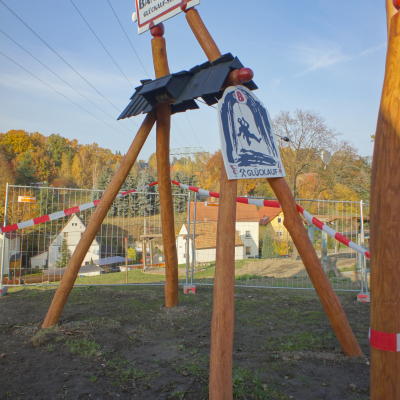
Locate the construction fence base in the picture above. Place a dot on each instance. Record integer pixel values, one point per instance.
(187, 289)
(3, 290)
(364, 297)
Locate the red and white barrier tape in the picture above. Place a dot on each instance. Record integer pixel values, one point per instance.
(384, 341)
(268, 203)
(275, 204)
(61, 214)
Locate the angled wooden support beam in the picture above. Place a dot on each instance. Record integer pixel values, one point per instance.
(163, 115)
(222, 324)
(385, 232)
(323, 287)
(67, 283)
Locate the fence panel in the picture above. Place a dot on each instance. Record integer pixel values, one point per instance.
(265, 253)
(39, 254)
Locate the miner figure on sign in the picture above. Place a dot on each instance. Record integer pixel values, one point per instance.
(244, 129)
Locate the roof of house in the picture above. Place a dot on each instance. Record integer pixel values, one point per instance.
(11, 235)
(206, 235)
(65, 225)
(267, 214)
(244, 212)
(84, 269)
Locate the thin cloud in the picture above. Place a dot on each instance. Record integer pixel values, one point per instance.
(318, 58)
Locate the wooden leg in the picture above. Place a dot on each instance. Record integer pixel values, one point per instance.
(67, 283)
(326, 294)
(164, 176)
(167, 207)
(222, 323)
(385, 226)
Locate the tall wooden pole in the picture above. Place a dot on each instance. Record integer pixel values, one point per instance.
(332, 306)
(385, 231)
(163, 113)
(323, 287)
(390, 11)
(67, 283)
(222, 324)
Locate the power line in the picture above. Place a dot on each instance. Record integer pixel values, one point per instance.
(65, 97)
(76, 8)
(192, 130)
(180, 132)
(137, 55)
(69, 65)
(59, 77)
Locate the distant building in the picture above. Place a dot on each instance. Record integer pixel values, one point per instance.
(247, 221)
(72, 233)
(271, 219)
(205, 241)
(12, 250)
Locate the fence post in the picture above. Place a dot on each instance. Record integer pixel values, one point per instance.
(4, 237)
(194, 240)
(187, 243)
(324, 250)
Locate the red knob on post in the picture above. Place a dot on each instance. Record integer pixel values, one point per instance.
(396, 3)
(184, 4)
(157, 30)
(246, 74)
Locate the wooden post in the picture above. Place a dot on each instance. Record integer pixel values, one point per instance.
(163, 113)
(385, 227)
(390, 11)
(323, 287)
(222, 324)
(126, 258)
(67, 283)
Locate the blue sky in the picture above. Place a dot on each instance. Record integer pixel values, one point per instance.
(321, 55)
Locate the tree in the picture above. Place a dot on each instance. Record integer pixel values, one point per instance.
(153, 162)
(25, 171)
(65, 170)
(64, 255)
(132, 253)
(76, 170)
(268, 248)
(308, 135)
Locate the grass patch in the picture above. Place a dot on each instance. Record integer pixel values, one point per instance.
(86, 348)
(301, 341)
(246, 382)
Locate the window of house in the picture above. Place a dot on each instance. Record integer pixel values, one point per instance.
(279, 220)
(65, 234)
(87, 263)
(279, 233)
(248, 235)
(248, 251)
(74, 224)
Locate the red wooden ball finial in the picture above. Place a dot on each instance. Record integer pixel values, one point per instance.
(157, 30)
(246, 74)
(396, 3)
(184, 4)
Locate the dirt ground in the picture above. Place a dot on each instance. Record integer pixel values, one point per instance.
(122, 343)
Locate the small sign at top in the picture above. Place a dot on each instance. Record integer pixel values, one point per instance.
(152, 12)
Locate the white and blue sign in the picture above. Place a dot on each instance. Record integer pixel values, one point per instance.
(248, 143)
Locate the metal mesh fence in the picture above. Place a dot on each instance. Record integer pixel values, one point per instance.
(40, 254)
(264, 251)
(266, 255)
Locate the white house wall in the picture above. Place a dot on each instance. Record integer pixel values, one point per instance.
(253, 240)
(11, 247)
(74, 230)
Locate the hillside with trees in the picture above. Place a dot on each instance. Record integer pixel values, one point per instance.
(32, 158)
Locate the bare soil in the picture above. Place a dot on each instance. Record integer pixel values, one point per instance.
(122, 343)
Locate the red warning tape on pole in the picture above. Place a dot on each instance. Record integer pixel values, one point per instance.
(268, 203)
(384, 341)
